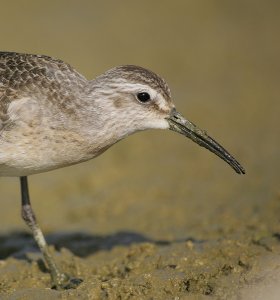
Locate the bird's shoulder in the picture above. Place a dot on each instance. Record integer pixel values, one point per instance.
(30, 79)
(32, 73)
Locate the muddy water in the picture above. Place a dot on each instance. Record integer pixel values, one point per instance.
(157, 217)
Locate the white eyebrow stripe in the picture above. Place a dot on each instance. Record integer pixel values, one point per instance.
(137, 87)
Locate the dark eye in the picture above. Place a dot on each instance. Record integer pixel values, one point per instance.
(143, 97)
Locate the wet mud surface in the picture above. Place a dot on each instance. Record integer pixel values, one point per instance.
(156, 216)
(127, 265)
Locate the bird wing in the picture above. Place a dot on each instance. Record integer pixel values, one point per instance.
(26, 80)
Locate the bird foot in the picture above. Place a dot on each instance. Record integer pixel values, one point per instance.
(63, 281)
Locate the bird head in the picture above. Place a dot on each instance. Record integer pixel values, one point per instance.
(134, 98)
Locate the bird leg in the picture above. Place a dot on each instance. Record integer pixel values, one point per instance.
(59, 279)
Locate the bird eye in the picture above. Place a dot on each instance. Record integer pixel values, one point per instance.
(143, 97)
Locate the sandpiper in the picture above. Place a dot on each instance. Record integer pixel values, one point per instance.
(52, 117)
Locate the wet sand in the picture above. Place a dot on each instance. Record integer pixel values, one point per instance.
(156, 216)
(227, 254)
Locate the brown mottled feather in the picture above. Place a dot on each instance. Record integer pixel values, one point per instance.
(38, 77)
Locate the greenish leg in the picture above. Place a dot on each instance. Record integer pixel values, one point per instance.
(59, 279)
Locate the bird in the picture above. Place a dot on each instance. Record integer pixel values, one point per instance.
(52, 117)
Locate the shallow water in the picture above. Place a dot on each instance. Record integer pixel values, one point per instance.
(156, 216)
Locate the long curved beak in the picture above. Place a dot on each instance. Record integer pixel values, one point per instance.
(179, 124)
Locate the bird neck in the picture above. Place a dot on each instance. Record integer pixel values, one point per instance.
(99, 123)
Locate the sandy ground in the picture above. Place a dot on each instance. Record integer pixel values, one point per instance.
(157, 217)
(230, 255)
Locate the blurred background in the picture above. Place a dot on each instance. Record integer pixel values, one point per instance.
(221, 60)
